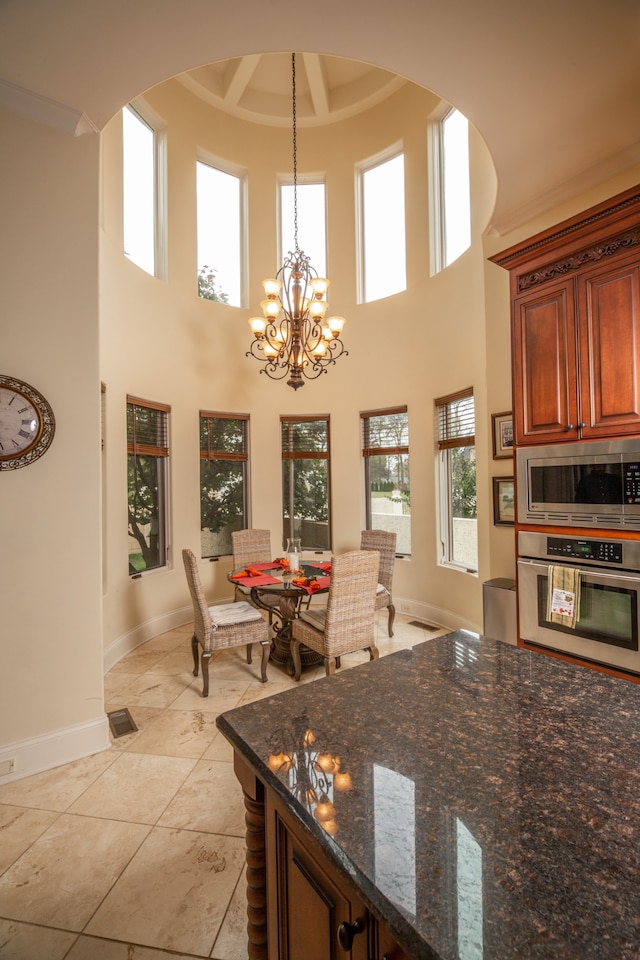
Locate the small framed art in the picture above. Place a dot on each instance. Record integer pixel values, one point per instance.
(502, 435)
(503, 501)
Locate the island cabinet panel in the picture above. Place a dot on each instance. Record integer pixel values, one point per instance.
(313, 913)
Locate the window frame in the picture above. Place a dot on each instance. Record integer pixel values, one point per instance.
(361, 170)
(230, 170)
(225, 455)
(290, 456)
(369, 451)
(140, 110)
(438, 207)
(445, 442)
(304, 180)
(161, 452)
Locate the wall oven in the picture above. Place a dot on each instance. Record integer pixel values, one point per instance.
(593, 484)
(607, 629)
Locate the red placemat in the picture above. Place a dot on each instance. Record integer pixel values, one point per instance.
(259, 581)
(319, 583)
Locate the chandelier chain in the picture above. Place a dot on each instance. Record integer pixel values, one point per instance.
(295, 152)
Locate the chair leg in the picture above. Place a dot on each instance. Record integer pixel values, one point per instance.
(249, 653)
(374, 653)
(206, 656)
(295, 656)
(338, 663)
(330, 665)
(392, 616)
(195, 652)
(266, 650)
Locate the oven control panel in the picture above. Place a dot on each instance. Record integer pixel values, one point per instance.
(595, 551)
(591, 551)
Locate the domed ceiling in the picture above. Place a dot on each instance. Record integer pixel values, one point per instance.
(258, 87)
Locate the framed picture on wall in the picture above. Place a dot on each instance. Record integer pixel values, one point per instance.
(502, 435)
(503, 501)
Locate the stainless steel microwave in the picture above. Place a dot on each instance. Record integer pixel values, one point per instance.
(580, 484)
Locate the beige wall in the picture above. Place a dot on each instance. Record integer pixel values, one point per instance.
(50, 620)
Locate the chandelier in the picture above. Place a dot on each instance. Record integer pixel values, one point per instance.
(313, 773)
(292, 337)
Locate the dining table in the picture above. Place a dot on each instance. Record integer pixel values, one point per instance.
(275, 579)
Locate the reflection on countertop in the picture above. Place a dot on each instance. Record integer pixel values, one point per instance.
(493, 803)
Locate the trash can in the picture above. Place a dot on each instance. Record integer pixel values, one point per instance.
(499, 609)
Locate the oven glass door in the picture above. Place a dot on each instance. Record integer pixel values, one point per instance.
(608, 613)
(607, 629)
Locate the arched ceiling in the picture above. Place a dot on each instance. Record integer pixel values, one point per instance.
(552, 87)
(258, 87)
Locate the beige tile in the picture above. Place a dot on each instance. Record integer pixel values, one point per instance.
(136, 787)
(153, 690)
(220, 749)
(223, 695)
(19, 827)
(56, 789)
(231, 942)
(178, 733)
(174, 893)
(66, 873)
(92, 948)
(139, 660)
(116, 681)
(24, 941)
(210, 800)
(177, 663)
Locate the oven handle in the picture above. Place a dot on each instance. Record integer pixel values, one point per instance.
(601, 573)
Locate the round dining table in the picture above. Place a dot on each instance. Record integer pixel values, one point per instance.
(270, 580)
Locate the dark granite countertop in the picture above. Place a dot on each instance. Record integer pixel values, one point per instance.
(494, 812)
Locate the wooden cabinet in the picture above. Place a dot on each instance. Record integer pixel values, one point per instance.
(313, 912)
(575, 293)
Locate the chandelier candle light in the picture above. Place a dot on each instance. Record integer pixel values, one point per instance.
(292, 337)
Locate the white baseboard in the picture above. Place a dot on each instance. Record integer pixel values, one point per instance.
(143, 632)
(436, 615)
(56, 748)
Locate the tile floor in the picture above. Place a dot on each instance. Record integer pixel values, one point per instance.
(137, 853)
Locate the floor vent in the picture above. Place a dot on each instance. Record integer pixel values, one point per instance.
(121, 723)
(425, 626)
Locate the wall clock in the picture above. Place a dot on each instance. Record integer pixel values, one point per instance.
(27, 424)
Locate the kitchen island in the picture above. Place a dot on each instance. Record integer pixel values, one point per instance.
(462, 799)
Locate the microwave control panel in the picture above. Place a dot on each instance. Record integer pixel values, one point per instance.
(594, 551)
(632, 482)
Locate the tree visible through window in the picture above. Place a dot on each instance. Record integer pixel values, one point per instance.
(218, 201)
(306, 481)
(458, 500)
(147, 459)
(385, 448)
(223, 480)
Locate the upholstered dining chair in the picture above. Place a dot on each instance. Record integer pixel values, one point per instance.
(222, 626)
(347, 623)
(385, 543)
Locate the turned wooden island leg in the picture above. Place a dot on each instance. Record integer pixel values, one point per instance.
(253, 790)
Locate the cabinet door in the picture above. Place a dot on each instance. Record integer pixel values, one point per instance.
(609, 336)
(387, 948)
(545, 376)
(307, 900)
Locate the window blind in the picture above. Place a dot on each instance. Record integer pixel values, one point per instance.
(456, 420)
(147, 428)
